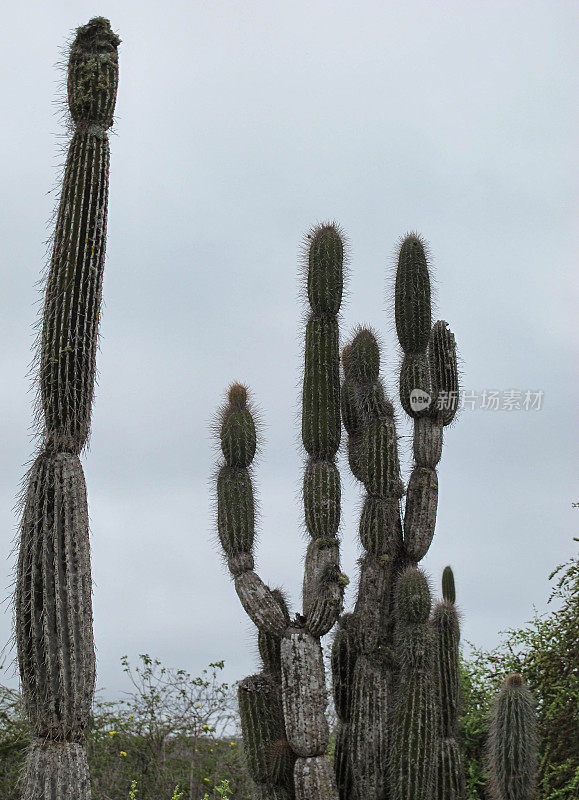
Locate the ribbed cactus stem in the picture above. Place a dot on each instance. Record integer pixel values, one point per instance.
(74, 285)
(56, 769)
(269, 758)
(443, 373)
(53, 606)
(448, 588)
(369, 729)
(512, 743)
(412, 296)
(414, 727)
(449, 773)
(53, 600)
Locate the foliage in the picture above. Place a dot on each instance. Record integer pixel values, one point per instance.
(545, 652)
(172, 735)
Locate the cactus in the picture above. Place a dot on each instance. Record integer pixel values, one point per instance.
(512, 742)
(414, 734)
(428, 393)
(290, 649)
(449, 775)
(53, 612)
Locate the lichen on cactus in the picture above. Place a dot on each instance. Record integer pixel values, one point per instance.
(53, 611)
(512, 742)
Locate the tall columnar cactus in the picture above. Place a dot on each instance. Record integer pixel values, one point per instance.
(512, 743)
(414, 723)
(368, 417)
(53, 609)
(429, 394)
(291, 651)
(449, 783)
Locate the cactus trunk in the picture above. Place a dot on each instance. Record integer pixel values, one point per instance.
(53, 608)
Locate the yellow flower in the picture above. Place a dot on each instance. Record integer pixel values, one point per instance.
(232, 744)
(123, 754)
(112, 733)
(206, 779)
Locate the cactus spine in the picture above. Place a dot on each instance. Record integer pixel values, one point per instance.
(53, 611)
(290, 650)
(512, 743)
(449, 782)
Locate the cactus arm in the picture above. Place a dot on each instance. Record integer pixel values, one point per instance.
(449, 780)
(53, 608)
(369, 421)
(413, 745)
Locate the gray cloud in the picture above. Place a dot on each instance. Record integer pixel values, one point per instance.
(238, 127)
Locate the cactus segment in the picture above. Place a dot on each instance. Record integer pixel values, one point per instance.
(372, 606)
(342, 766)
(325, 270)
(369, 727)
(93, 74)
(269, 645)
(56, 769)
(361, 358)
(314, 778)
(304, 695)
(413, 599)
(427, 442)
(415, 386)
(262, 725)
(321, 427)
(448, 589)
(420, 514)
(412, 296)
(235, 511)
(449, 782)
(54, 633)
(446, 638)
(238, 437)
(380, 525)
(414, 729)
(322, 493)
(351, 408)
(73, 294)
(512, 743)
(260, 603)
(343, 657)
(380, 463)
(443, 372)
(323, 591)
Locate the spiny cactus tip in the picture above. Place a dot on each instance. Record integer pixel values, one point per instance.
(515, 679)
(237, 395)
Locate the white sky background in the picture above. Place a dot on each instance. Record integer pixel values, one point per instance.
(238, 126)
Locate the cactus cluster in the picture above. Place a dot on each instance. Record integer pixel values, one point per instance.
(393, 679)
(283, 707)
(53, 611)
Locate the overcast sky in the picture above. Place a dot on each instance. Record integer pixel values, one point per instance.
(238, 126)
